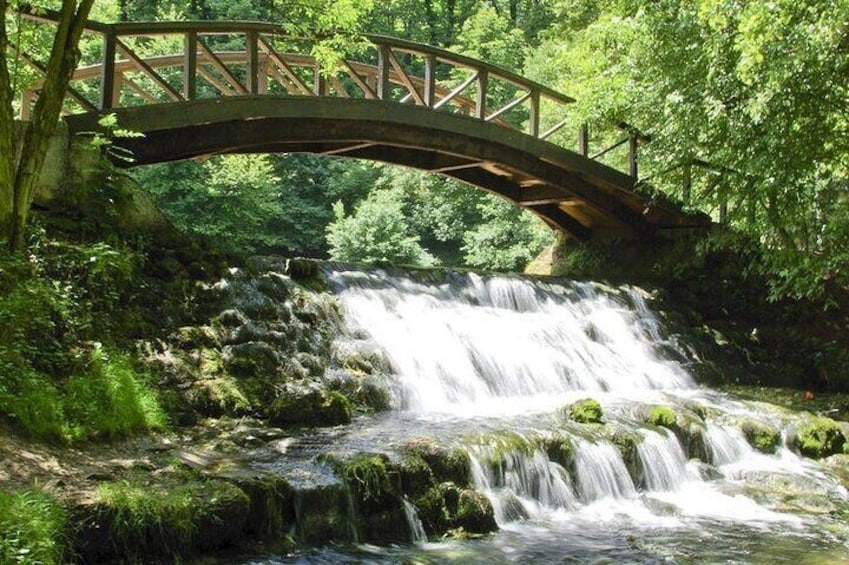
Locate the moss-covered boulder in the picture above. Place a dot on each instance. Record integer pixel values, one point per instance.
(819, 437)
(315, 407)
(448, 464)
(559, 449)
(626, 442)
(662, 416)
(587, 411)
(475, 513)
(761, 436)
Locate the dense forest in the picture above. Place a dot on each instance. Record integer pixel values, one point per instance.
(741, 106)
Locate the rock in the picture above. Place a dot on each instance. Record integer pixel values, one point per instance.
(762, 437)
(587, 411)
(662, 416)
(449, 465)
(819, 437)
(252, 359)
(317, 407)
(475, 513)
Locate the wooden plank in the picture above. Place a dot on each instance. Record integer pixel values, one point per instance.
(148, 71)
(430, 80)
(364, 86)
(107, 73)
(405, 78)
(456, 92)
(284, 67)
(383, 72)
(533, 119)
(252, 59)
(190, 66)
(480, 95)
(212, 59)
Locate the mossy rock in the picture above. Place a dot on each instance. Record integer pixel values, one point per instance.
(762, 437)
(626, 442)
(368, 479)
(416, 475)
(587, 411)
(559, 449)
(252, 359)
(447, 464)
(323, 514)
(475, 513)
(432, 510)
(662, 416)
(820, 437)
(316, 407)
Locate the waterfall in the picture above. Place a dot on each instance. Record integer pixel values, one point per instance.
(601, 473)
(492, 364)
(416, 528)
(662, 460)
(491, 344)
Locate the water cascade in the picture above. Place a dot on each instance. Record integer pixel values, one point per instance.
(491, 364)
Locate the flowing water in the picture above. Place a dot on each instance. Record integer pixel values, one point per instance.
(488, 363)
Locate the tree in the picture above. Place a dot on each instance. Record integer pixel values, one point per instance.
(377, 231)
(19, 170)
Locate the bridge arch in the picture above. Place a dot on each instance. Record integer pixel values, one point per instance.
(265, 100)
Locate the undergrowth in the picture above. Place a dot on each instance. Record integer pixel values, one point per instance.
(32, 529)
(58, 382)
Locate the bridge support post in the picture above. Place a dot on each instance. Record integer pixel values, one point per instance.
(107, 72)
(190, 66)
(383, 72)
(584, 139)
(633, 147)
(430, 80)
(480, 99)
(533, 119)
(252, 48)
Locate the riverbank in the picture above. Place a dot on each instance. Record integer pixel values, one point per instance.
(262, 388)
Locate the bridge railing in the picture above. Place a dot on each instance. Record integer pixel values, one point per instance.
(156, 62)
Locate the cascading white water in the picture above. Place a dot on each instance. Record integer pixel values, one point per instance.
(520, 484)
(662, 460)
(601, 473)
(512, 352)
(495, 345)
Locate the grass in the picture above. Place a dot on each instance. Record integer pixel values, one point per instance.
(833, 405)
(32, 529)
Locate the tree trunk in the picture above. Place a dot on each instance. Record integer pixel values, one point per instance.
(64, 56)
(7, 133)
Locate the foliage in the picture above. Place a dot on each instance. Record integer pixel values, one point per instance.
(32, 528)
(57, 384)
(753, 92)
(165, 519)
(506, 239)
(377, 231)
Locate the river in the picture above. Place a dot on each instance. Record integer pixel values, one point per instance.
(488, 364)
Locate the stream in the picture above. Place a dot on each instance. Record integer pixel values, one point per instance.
(488, 363)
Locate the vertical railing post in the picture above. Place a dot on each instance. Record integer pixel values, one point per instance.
(533, 119)
(319, 82)
(252, 47)
(633, 146)
(383, 72)
(480, 98)
(688, 182)
(584, 139)
(190, 66)
(430, 80)
(107, 72)
(723, 210)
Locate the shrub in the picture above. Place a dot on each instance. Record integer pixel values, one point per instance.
(32, 528)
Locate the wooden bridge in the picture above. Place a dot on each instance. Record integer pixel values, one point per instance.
(247, 87)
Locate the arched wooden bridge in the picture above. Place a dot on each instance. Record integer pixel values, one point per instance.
(246, 87)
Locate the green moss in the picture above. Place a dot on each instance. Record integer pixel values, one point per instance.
(321, 408)
(761, 436)
(559, 449)
(432, 511)
(820, 437)
(172, 519)
(32, 528)
(475, 513)
(587, 411)
(447, 464)
(367, 477)
(662, 416)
